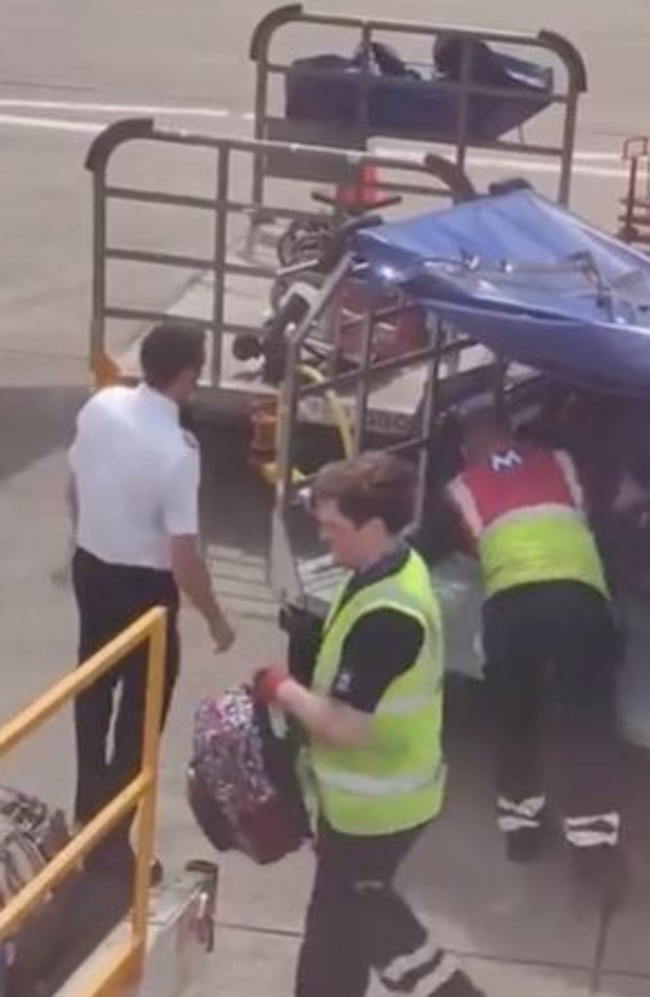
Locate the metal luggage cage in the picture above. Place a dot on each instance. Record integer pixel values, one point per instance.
(433, 176)
(298, 575)
(634, 210)
(269, 126)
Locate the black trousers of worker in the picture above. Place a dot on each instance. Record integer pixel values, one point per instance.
(357, 923)
(551, 650)
(109, 597)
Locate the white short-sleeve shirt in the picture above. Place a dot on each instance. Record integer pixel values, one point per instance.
(137, 477)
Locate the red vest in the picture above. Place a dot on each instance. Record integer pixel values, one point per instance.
(524, 511)
(513, 479)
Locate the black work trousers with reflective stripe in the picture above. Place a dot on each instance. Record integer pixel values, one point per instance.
(357, 923)
(109, 597)
(551, 652)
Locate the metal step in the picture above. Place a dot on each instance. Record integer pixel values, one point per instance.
(180, 928)
(241, 582)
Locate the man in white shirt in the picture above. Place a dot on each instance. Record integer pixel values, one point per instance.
(133, 493)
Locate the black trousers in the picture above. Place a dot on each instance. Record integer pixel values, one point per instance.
(110, 597)
(551, 654)
(357, 923)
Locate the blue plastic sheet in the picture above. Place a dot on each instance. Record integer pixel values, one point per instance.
(529, 280)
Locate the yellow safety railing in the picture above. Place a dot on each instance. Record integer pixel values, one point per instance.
(125, 963)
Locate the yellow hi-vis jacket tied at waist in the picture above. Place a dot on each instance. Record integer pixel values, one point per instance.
(396, 781)
(524, 510)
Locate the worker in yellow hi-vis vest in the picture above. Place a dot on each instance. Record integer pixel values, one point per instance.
(372, 716)
(548, 634)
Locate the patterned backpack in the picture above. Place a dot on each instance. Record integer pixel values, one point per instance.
(31, 834)
(242, 785)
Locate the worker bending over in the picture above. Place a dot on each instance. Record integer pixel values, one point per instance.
(547, 628)
(373, 720)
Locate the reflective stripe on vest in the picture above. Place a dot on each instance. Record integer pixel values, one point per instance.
(403, 705)
(545, 510)
(396, 780)
(524, 509)
(365, 785)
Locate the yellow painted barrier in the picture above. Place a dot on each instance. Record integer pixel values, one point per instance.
(126, 965)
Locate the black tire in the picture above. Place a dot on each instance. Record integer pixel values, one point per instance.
(304, 240)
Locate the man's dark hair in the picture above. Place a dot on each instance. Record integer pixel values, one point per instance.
(484, 425)
(169, 349)
(374, 485)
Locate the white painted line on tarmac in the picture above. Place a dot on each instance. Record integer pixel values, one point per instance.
(611, 157)
(220, 113)
(582, 163)
(83, 107)
(523, 164)
(52, 124)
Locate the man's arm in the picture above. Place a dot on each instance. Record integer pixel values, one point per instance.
(191, 576)
(327, 720)
(462, 538)
(630, 496)
(72, 501)
(381, 646)
(61, 574)
(181, 518)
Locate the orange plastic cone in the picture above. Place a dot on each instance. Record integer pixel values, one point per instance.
(362, 192)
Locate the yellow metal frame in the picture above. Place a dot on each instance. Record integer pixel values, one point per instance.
(125, 965)
(269, 469)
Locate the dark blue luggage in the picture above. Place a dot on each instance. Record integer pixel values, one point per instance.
(388, 98)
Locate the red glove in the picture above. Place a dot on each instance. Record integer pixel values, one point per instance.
(266, 683)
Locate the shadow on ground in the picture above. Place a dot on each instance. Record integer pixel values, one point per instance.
(538, 914)
(34, 422)
(235, 502)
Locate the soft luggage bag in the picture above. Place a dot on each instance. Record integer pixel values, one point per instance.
(31, 834)
(242, 785)
(392, 99)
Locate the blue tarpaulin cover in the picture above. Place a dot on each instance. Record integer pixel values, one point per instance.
(529, 280)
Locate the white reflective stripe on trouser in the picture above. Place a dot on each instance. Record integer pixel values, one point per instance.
(517, 816)
(367, 785)
(395, 975)
(597, 829)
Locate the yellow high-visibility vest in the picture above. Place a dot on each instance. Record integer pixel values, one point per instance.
(396, 781)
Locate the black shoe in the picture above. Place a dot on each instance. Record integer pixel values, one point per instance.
(525, 846)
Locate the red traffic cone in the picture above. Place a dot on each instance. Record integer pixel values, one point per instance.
(362, 192)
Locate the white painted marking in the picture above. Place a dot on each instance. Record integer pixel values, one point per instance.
(582, 165)
(522, 165)
(542, 166)
(611, 157)
(195, 112)
(52, 124)
(83, 107)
